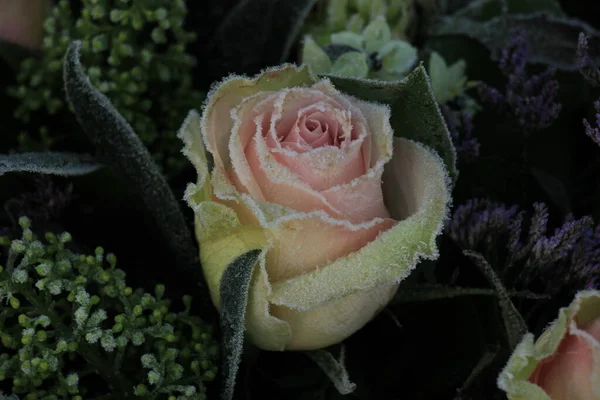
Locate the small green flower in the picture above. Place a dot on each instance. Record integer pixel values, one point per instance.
(371, 54)
(450, 81)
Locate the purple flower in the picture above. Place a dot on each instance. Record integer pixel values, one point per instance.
(567, 259)
(587, 66)
(594, 131)
(460, 126)
(531, 99)
(480, 222)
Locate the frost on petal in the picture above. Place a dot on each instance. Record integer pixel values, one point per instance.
(228, 94)
(395, 253)
(248, 117)
(564, 363)
(193, 149)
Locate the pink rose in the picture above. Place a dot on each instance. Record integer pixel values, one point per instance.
(568, 374)
(341, 209)
(21, 21)
(564, 362)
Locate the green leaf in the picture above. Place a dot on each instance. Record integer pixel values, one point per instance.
(51, 163)
(235, 285)
(334, 369)
(415, 113)
(121, 149)
(376, 34)
(349, 64)
(484, 10)
(315, 56)
(398, 56)
(256, 34)
(551, 39)
(447, 81)
(515, 326)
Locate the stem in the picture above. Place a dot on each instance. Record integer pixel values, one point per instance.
(111, 376)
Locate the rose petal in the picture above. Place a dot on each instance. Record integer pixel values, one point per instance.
(383, 260)
(226, 95)
(564, 362)
(331, 323)
(289, 257)
(566, 375)
(242, 132)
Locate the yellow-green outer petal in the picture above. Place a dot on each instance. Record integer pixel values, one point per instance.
(514, 378)
(193, 149)
(393, 254)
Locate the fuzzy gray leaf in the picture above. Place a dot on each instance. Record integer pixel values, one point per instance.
(122, 150)
(235, 286)
(50, 163)
(334, 369)
(257, 33)
(513, 321)
(552, 39)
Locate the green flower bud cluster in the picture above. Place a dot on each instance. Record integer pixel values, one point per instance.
(372, 53)
(354, 15)
(136, 53)
(68, 319)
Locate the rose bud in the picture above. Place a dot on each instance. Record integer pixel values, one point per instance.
(21, 21)
(564, 363)
(341, 210)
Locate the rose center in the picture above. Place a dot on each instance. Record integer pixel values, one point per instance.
(313, 129)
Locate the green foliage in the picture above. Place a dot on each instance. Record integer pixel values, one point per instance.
(450, 81)
(69, 319)
(371, 53)
(137, 58)
(354, 15)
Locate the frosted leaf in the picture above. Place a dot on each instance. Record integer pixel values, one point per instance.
(52, 163)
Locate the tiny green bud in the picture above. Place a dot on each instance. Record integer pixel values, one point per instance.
(14, 303)
(24, 321)
(24, 222)
(65, 237)
(112, 259)
(95, 300)
(159, 291)
(127, 291)
(141, 390)
(18, 246)
(118, 327)
(137, 310)
(41, 335)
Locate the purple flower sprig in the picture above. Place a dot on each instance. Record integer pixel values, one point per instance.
(531, 99)
(567, 259)
(460, 126)
(587, 67)
(594, 131)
